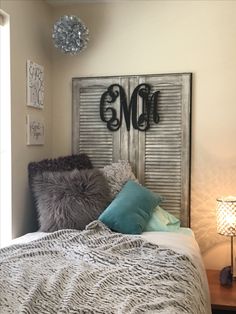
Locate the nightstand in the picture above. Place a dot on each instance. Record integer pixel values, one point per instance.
(223, 299)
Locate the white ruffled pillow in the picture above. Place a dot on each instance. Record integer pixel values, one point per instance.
(117, 174)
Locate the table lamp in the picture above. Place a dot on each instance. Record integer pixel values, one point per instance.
(226, 223)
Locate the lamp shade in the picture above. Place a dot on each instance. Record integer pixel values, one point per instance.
(226, 215)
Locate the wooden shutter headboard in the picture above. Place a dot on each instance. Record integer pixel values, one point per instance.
(160, 156)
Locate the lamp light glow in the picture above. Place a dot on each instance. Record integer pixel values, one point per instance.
(226, 215)
(226, 222)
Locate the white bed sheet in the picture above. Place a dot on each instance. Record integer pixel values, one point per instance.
(152, 236)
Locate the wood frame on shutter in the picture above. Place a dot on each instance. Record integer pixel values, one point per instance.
(160, 157)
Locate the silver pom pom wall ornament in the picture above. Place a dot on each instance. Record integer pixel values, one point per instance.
(70, 35)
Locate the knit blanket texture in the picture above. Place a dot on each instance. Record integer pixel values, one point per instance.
(97, 271)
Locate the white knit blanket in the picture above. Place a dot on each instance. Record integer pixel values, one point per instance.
(97, 271)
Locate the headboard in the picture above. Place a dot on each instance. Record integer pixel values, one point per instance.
(159, 156)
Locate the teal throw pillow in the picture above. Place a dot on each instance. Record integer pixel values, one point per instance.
(161, 220)
(132, 208)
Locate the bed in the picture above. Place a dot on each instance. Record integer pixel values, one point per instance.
(115, 260)
(172, 280)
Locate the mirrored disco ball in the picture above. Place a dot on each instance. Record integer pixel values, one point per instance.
(70, 34)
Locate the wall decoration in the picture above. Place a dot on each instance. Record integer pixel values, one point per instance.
(141, 96)
(35, 130)
(70, 35)
(35, 85)
(160, 157)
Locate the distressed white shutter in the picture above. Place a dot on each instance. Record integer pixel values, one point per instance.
(160, 157)
(167, 146)
(90, 134)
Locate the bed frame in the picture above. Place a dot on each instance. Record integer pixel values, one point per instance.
(160, 156)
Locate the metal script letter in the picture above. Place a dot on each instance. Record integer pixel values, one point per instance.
(154, 99)
(113, 123)
(141, 122)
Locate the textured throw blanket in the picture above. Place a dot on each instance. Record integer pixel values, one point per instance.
(97, 271)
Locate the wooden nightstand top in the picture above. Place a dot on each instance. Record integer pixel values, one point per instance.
(221, 297)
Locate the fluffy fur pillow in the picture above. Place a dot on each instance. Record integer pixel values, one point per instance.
(66, 163)
(117, 174)
(69, 199)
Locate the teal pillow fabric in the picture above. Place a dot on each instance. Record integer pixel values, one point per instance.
(132, 208)
(161, 220)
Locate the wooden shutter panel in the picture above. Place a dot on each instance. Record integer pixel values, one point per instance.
(160, 157)
(167, 145)
(90, 134)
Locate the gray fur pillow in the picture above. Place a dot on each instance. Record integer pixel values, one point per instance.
(69, 199)
(117, 174)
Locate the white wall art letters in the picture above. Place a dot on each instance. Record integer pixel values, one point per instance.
(35, 85)
(35, 130)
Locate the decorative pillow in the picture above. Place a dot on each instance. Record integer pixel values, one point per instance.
(69, 199)
(161, 220)
(67, 163)
(130, 211)
(117, 174)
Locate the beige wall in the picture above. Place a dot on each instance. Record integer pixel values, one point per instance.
(134, 37)
(30, 39)
(159, 37)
